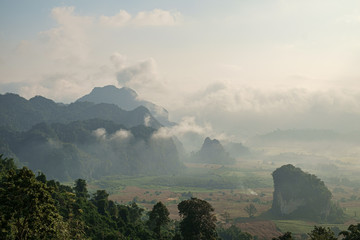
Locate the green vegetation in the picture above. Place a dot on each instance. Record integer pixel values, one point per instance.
(33, 207)
(91, 149)
(198, 220)
(299, 195)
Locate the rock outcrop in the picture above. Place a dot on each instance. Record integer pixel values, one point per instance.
(300, 195)
(213, 152)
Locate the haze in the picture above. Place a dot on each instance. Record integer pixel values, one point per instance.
(231, 69)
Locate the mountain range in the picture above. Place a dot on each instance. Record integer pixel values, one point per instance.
(127, 99)
(89, 138)
(21, 114)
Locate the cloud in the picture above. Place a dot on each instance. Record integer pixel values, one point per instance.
(349, 19)
(245, 111)
(187, 125)
(147, 120)
(69, 41)
(156, 17)
(142, 76)
(119, 136)
(118, 20)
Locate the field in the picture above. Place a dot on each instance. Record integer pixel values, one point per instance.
(229, 189)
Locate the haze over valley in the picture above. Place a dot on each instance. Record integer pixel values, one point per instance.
(123, 116)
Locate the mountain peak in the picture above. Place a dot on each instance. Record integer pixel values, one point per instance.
(125, 98)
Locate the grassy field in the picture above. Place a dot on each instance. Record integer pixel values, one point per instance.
(229, 189)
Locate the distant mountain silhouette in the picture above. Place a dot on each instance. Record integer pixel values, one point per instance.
(90, 149)
(126, 99)
(213, 152)
(18, 113)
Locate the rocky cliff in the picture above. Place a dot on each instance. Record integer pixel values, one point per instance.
(300, 195)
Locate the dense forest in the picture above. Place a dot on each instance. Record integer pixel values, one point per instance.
(33, 207)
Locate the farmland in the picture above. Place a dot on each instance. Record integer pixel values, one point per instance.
(229, 189)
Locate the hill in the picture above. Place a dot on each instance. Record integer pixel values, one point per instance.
(21, 114)
(127, 99)
(213, 152)
(91, 149)
(300, 195)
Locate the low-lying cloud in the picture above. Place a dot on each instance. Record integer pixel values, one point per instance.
(121, 135)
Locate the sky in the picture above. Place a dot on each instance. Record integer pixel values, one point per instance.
(236, 68)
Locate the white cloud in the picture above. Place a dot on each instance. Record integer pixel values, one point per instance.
(100, 133)
(147, 120)
(156, 17)
(69, 41)
(187, 125)
(142, 76)
(121, 135)
(349, 19)
(118, 137)
(118, 20)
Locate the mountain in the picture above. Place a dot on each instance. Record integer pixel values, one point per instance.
(300, 195)
(236, 149)
(91, 149)
(213, 152)
(126, 99)
(21, 114)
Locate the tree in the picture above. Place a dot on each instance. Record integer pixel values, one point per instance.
(158, 217)
(286, 236)
(27, 208)
(250, 210)
(5, 165)
(233, 233)
(101, 201)
(353, 232)
(80, 188)
(322, 233)
(198, 220)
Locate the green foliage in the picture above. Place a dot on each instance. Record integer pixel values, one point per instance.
(6, 164)
(250, 210)
(198, 220)
(286, 236)
(80, 188)
(28, 210)
(322, 233)
(233, 233)
(353, 232)
(158, 217)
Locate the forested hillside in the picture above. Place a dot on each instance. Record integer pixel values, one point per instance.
(21, 114)
(91, 149)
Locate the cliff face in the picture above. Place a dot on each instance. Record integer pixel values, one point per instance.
(299, 195)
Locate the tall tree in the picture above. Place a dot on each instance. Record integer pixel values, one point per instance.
(80, 188)
(101, 201)
(322, 233)
(198, 220)
(27, 208)
(158, 217)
